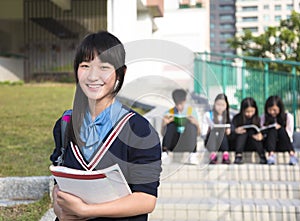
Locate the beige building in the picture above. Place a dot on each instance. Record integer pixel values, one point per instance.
(257, 15)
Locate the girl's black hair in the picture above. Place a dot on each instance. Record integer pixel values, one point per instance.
(109, 49)
(281, 117)
(225, 114)
(248, 102)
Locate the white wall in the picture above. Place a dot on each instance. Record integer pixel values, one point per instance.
(122, 19)
(11, 69)
(188, 27)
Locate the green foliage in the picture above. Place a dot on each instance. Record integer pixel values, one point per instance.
(12, 83)
(281, 42)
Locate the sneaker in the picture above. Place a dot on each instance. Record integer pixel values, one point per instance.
(293, 160)
(165, 158)
(213, 159)
(225, 158)
(272, 159)
(193, 159)
(263, 160)
(238, 160)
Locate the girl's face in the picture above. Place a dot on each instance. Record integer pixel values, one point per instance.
(273, 111)
(220, 106)
(249, 112)
(96, 78)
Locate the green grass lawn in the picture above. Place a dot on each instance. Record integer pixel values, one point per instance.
(28, 114)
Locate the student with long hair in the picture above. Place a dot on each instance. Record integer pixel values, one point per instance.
(215, 129)
(279, 138)
(103, 132)
(247, 137)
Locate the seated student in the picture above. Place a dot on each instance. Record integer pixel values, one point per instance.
(280, 137)
(177, 136)
(247, 137)
(215, 136)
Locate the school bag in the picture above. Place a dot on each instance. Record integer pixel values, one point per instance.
(65, 119)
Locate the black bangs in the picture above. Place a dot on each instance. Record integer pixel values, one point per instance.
(102, 44)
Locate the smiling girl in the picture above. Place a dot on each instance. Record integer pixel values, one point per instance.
(102, 132)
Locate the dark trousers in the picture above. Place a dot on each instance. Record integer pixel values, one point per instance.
(246, 140)
(216, 140)
(278, 140)
(180, 142)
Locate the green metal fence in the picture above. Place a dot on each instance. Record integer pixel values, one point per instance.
(220, 73)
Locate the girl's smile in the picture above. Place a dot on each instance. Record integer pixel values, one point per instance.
(96, 78)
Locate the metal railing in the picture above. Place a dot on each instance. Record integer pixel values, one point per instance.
(230, 74)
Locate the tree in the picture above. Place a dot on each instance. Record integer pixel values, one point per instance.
(280, 42)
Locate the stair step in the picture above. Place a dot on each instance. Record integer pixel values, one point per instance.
(257, 172)
(211, 209)
(248, 157)
(231, 189)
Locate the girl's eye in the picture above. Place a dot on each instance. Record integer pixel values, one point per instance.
(104, 68)
(83, 65)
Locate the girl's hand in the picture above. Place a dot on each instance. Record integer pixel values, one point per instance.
(240, 130)
(258, 136)
(72, 207)
(227, 131)
(193, 120)
(278, 126)
(168, 119)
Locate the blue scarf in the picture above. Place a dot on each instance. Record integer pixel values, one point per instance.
(92, 132)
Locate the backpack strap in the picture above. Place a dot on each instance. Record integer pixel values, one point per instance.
(172, 111)
(65, 119)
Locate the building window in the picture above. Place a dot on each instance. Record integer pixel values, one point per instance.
(289, 7)
(212, 26)
(278, 18)
(249, 8)
(277, 7)
(226, 35)
(266, 18)
(226, 7)
(227, 26)
(226, 17)
(250, 19)
(212, 35)
(266, 7)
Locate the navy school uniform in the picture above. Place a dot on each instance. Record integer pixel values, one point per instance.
(133, 144)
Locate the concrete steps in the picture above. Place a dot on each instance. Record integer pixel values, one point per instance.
(228, 192)
(22, 190)
(212, 209)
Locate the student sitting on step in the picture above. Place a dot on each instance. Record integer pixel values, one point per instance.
(244, 138)
(216, 129)
(180, 127)
(280, 137)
